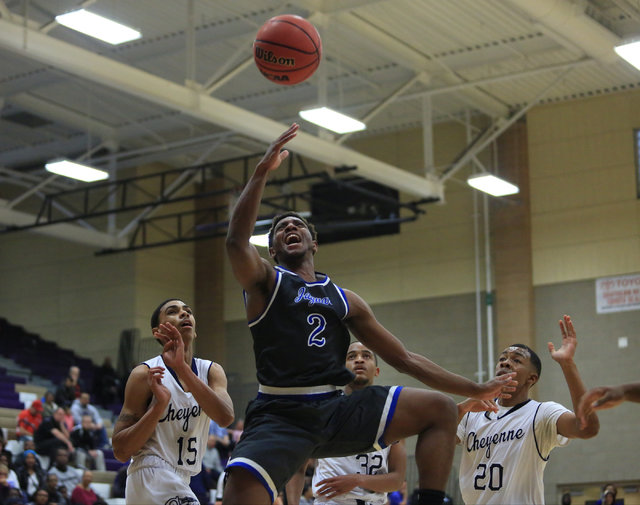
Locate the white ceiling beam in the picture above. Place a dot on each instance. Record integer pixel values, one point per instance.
(64, 231)
(63, 115)
(40, 47)
(570, 21)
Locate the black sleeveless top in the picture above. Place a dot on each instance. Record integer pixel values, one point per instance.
(300, 339)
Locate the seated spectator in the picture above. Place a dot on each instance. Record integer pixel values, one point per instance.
(16, 497)
(55, 495)
(40, 497)
(68, 418)
(236, 432)
(4, 483)
(221, 439)
(12, 478)
(119, 483)
(49, 405)
(52, 434)
(66, 392)
(85, 440)
(81, 407)
(106, 384)
(27, 445)
(78, 385)
(29, 420)
(3, 450)
(31, 476)
(211, 464)
(67, 475)
(82, 494)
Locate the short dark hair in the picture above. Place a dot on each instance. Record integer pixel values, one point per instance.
(155, 316)
(535, 359)
(280, 217)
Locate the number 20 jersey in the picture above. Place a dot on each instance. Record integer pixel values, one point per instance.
(300, 339)
(180, 437)
(504, 453)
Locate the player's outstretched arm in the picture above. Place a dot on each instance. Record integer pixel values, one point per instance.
(138, 418)
(568, 424)
(607, 397)
(376, 337)
(249, 268)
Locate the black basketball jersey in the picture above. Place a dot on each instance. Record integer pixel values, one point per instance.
(300, 339)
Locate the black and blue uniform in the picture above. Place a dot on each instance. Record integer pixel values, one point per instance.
(300, 343)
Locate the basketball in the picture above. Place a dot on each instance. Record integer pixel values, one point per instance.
(287, 49)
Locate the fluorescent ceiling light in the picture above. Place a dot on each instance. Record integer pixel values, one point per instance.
(332, 120)
(492, 185)
(630, 52)
(260, 240)
(76, 170)
(97, 26)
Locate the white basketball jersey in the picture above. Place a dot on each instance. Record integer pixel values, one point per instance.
(180, 437)
(504, 453)
(371, 463)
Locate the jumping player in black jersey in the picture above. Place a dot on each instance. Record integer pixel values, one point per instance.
(300, 324)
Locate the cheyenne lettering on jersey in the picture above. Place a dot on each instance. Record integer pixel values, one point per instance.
(304, 295)
(183, 413)
(474, 443)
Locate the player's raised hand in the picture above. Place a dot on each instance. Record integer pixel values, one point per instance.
(569, 341)
(275, 154)
(173, 345)
(471, 405)
(599, 398)
(160, 392)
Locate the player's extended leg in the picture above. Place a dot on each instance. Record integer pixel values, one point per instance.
(244, 488)
(433, 417)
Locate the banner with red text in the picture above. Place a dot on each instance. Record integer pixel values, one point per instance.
(616, 294)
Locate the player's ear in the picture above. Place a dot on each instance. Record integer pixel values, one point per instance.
(532, 379)
(377, 372)
(314, 247)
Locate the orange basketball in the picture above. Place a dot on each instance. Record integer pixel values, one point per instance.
(287, 49)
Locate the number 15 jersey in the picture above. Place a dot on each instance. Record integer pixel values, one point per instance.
(504, 454)
(180, 437)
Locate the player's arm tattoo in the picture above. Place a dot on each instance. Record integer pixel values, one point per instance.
(127, 419)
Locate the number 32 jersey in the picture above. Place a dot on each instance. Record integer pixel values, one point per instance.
(371, 463)
(180, 437)
(504, 453)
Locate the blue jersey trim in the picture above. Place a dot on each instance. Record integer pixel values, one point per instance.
(392, 410)
(276, 287)
(322, 282)
(257, 474)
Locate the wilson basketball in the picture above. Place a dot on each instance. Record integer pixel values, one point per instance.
(287, 49)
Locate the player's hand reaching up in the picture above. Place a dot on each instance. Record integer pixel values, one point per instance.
(173, 345)
(569, 341)
(275, 155)
(161, 394)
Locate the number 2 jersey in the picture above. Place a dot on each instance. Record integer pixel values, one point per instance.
(372, 463)
(504, 453)
(300, 339)
(180, 437)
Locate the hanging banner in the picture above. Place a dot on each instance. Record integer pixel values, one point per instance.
(617, 294)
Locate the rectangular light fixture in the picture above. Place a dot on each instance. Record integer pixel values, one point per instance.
(260, 240)
(332, 120)
(76, 170)
(98, 27)
(492, 184)
(630, 52)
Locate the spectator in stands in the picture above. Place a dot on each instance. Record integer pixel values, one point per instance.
(41, 497)
(16, 497)
(67, 474)
(67, 418)
(82, 494)
(49, 405)
(29, 420)
(78, 386)
(3, 450)
(81, 407)
(119, 482)
(106, 384)
(211, 464)
(27, 445)
(12, 478)
(55, 496)
(236, 432)
(52, 434)
(4, 482)
(66, 392)
(64, 494)
(84, 439)
(222, 440)
(31, 476)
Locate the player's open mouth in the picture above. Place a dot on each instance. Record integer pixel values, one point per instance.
(292, 239)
